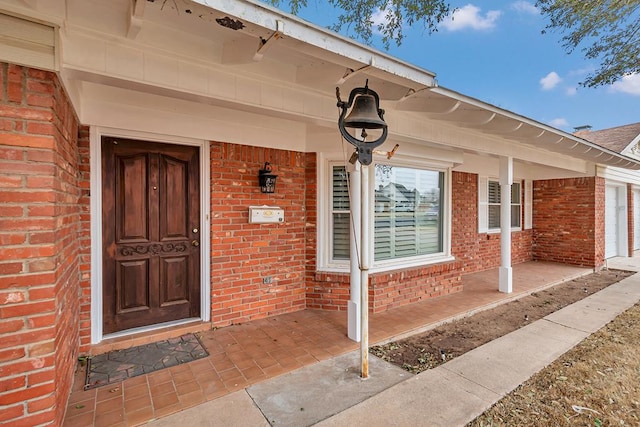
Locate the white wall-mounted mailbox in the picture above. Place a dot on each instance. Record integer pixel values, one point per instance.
(265, 215)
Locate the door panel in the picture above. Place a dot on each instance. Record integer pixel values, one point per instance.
(134, 298)
(150, 211)
(133, 218)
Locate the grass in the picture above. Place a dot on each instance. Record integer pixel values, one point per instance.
(597, 383)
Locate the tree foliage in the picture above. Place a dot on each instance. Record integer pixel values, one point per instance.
(358, 16)
(607, 31)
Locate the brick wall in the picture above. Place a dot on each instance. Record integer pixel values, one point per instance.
(568, 218)
(473, 251)
(480, 251)
(84, 240)
(39, 219)
(243, 254)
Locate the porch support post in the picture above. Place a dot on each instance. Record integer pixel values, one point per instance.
(353, 309)
(506, 179)
(365, 259)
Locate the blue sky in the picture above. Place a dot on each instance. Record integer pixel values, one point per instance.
(495, 52)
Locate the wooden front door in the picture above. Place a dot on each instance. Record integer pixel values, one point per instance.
(151, 233)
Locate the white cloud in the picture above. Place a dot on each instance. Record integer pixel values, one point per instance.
(525, 7)
(560, 122)
(572, 90)
(469, 16)
(379, 17)
(550, 81)
(628, 84)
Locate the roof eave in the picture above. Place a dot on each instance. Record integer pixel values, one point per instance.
(292, 26)
(567, 143)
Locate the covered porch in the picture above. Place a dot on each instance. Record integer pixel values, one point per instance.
(242, 355)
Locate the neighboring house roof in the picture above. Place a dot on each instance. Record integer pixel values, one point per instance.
(616, 139)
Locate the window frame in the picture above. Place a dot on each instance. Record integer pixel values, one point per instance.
(520, 204)
(325, 261)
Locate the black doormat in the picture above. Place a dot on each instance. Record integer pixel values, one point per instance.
(118, 365)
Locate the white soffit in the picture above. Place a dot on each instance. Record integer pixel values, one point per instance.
(446, 105)
(320, 43)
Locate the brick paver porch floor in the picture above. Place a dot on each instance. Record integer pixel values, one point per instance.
(242, 355)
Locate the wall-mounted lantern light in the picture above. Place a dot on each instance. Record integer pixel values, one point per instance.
(267, 179)
(366, 114)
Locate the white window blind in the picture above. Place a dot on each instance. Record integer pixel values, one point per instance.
(489, 205)
(408, 212)
(340, 215)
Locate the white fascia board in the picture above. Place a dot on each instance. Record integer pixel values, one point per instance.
(631, 163)
(267, 17)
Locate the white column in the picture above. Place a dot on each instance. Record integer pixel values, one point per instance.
(353, 308)
(364, 269)
(506, 179)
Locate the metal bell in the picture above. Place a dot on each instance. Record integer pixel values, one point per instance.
(364, 114)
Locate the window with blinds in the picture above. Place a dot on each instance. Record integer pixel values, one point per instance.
(340, 213)
(408, 212)
(493, 205)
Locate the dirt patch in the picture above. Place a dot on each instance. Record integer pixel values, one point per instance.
(593, 384)
(432, 348)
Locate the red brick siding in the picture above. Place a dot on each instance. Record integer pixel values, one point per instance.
(242, 254)
(568, 218)
(473, 251)
(38, 246)
(480, 251)
(394, 289)
(311, 228)
(84, 240)
(330, 291)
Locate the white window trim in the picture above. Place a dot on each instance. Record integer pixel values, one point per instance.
(323, 248)
(483, 205)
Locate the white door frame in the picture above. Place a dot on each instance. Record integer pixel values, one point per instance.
(95, 137)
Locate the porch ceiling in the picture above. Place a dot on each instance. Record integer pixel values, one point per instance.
(324, 60)
(255, 39)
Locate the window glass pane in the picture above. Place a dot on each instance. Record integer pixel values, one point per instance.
(340, 189)
(340, 236)
(494, 192)
(408, 212)
(340, 213)
(494, 216)
(515, 193)
(494, 205)
(515, 215)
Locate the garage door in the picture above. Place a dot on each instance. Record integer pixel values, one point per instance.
(636, 219)
(612, 222)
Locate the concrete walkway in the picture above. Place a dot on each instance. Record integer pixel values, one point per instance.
(330, 393)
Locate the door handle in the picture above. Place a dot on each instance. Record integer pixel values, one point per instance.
(195, 243)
